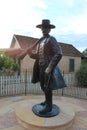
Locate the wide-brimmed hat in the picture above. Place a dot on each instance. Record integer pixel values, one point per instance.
(45, 23)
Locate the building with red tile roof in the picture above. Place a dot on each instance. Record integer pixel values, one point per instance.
(69, 63)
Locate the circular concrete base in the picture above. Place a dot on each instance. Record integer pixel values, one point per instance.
(30, 121)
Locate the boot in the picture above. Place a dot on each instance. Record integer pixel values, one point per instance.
(48, 105)
(43, 103)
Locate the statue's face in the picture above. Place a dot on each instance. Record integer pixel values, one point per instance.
(45, 30)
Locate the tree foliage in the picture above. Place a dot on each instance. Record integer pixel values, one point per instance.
(84, 60)
(81, 74)
(85, 52)
(7, 63)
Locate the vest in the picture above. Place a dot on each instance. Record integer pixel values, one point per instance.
(41, 51)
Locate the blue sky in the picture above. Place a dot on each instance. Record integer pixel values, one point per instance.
(21, 17)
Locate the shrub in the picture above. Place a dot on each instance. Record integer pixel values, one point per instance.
(7, 63)
(81, 75)
(15, 66)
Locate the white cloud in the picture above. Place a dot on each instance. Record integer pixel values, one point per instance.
(75, 24)
(19, 16)
(40, 3)
(74, 21)
(69, 3)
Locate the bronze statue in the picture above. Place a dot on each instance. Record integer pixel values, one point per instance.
(46, 70)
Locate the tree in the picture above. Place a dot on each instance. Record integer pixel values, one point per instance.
(85, 52)
(84, 59)
(81, 74)
(7, 63)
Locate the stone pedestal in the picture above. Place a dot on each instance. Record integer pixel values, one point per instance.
(30, 121)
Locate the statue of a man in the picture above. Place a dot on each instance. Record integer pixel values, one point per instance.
(46, 70)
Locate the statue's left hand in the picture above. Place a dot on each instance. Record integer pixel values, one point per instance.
(48, 71)
(46, 81)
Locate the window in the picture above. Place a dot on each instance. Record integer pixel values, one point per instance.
(71, 65)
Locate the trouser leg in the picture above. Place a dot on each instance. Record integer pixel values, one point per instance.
(42, 69)
(47, 93)
(48, 105)
(44, 102)
(49, 99)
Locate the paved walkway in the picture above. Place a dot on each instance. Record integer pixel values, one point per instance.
(8, 119)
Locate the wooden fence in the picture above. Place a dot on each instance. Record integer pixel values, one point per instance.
(21, 84)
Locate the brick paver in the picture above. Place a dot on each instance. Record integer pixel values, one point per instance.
(8, 119)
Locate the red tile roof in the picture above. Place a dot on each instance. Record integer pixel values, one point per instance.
(68, 49)
(24, 41)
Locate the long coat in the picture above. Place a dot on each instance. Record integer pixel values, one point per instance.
(52, 55)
